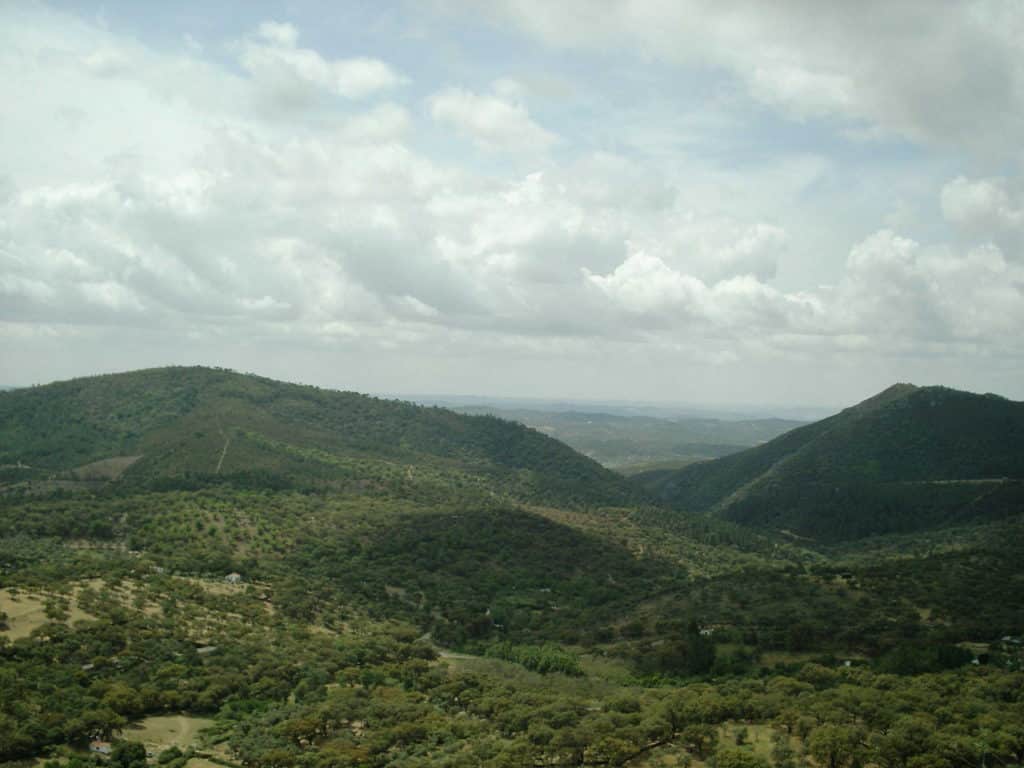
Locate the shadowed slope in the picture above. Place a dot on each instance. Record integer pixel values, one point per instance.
(907, 459)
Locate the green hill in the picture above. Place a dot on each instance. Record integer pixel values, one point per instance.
(194, 425)
(327, 579)
(910, 458)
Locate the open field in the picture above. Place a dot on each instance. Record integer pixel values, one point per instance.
(757, 741)
(104, 469)
(164, 731)
(156, 733)
(26, 612)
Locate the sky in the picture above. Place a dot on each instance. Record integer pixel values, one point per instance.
(794, 203)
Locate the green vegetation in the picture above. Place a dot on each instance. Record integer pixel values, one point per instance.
(539, 658)
(193, 424)
(426, 589)
(909, 459)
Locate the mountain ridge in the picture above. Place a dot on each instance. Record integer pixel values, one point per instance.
(840, 477)
(206, 422)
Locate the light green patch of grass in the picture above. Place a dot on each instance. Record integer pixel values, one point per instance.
(758, 739)
(164, 731)
(27, 612)
(104, 469)
(607, 668)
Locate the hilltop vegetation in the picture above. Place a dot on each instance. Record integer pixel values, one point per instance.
(201, 422)
(909, 459)
(421, 588)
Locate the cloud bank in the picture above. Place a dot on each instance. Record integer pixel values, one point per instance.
(284, 197)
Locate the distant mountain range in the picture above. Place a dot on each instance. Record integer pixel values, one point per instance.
(634, 442)
(910, 458)
(643, 409)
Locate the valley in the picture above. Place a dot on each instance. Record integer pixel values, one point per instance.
(291, 576)
(630, 442)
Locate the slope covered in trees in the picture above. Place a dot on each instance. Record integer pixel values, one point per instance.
(907, 459)
(201, 423)
(413, 587)
(573, 648)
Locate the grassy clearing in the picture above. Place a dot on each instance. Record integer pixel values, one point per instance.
(27, 612)
(629, 470)
(164, 731)
(24, 614)
(758, 741)
(104, 469)
(758, 737)
(155, 733)
(606, 667)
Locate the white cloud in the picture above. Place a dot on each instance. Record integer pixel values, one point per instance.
(894, 291)
(282, 35)
(295, 76)
(111, 295)
(982, 205)
(895, 287)
(948, 73)
(383, 123)
(498, 121)
(756, 252)
(26, 287)
(106, 63)
(174, 202)
(643, 284)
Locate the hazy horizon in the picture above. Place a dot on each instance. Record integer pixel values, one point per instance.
(661, 409)
(786, 205)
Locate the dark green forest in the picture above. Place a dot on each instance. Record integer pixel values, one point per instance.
(909, 459)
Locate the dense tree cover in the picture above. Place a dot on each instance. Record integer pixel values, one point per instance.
(67, 685)
(545, 659)
(684, 652)
(283, 695)
(411, 595)
(909, 459)
(466, 576)
(212, 423)
(482, 575)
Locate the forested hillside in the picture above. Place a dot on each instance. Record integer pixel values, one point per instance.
(908, 459)
(180, 423)
(357, 582)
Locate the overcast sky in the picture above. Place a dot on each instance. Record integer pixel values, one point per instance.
(722, 202)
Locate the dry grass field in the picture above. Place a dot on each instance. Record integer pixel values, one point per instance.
(164, 731)
(27, 611)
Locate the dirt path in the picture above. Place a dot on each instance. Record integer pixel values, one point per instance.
(224, 450)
